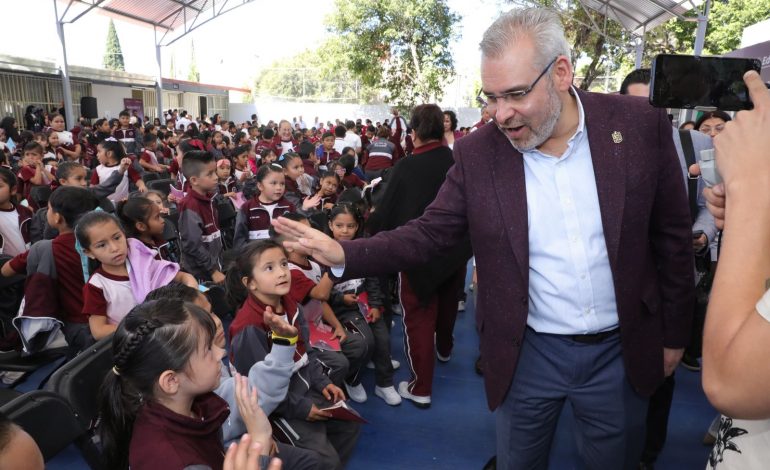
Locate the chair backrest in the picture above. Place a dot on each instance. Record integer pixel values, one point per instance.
(48, 418)
(150, 176)
(79, 380)
(161, 185)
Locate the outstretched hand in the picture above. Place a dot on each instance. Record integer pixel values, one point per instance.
(278, 325)
(310, 242)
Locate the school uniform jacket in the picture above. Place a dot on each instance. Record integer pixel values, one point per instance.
(199, 235)
(253, 219)
(250, 344)
(647, 230)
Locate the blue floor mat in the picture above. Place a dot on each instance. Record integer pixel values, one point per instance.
(457, 431)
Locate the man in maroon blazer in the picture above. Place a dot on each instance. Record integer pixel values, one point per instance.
(581, 231)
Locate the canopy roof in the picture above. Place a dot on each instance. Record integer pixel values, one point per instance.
(639, 16)
(178, 16)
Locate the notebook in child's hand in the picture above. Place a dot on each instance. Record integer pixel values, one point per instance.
(179, 195)
(237, 200)
(342, 411)
(322, 337)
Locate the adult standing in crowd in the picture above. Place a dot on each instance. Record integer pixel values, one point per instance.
(428, 294)
(380, 154)
(579, 221)
(450, 128)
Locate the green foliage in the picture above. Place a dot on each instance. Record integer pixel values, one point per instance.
(113, 56)
(727, 20)
(314, 75)
(401, 46)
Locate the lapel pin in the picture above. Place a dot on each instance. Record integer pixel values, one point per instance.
(617, 137)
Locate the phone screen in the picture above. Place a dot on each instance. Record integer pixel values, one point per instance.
(682, 81)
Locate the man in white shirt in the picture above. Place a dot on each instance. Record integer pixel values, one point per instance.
(352, 139)
(183, 121)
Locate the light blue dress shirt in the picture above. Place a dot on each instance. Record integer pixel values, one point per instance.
(571, 290)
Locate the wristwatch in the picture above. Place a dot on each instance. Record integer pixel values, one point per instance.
(282, 340)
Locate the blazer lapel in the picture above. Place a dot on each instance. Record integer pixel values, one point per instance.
(609, 170)
(508, 177)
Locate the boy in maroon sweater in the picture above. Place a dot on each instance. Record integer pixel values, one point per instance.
(199, 232)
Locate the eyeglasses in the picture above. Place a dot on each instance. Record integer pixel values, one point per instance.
(511, 95)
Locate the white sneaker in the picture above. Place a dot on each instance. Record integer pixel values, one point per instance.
(396, 309)
(356, 392)
(395, 364)
(461, 306)
(420, 402)
(389, 394)
(443, 359)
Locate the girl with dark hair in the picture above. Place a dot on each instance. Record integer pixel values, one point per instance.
(255, 215)
(125, 271)
(259, 282)
(141, 219)
(158, 402)
(11, 128)
(358, 305)
(110, 154)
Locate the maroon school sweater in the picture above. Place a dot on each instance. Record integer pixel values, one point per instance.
(164, 439)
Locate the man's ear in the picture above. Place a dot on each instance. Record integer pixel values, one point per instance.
(169, 382)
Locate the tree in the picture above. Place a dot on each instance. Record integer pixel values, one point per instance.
(402, 46)
(113, 56)
(193, 75)
(313, 75)
(614, 54)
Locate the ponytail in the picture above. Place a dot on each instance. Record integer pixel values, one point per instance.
(154, 337)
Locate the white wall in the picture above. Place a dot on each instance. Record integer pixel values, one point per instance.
(267, 110)
(109, 99)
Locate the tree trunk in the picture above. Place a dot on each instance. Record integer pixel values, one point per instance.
(593, 68)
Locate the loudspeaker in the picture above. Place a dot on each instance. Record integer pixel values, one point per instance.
(88, 107)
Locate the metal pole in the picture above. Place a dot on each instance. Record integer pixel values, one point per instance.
(65, 73)
(700, 35)
(639, 53)
(158, 81)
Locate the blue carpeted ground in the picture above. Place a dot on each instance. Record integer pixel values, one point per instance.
(457, 432)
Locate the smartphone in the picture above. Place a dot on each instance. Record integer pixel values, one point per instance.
(685, 81)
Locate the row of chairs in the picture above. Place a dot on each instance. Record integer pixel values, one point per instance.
(65, 411)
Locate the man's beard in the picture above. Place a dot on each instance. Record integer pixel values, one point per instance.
(537, 136)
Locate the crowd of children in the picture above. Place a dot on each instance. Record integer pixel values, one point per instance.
(106, 252)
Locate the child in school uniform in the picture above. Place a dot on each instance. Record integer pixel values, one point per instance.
(55, 280)
(227, 186)
(110, 154)
(148, 159)
(242, 170)
(33, 172)
(141, 219)
(126, 271)
(254, 216)
(260, 282)
(199, 232)
(326, 152)
(126, 133)
(14, 218)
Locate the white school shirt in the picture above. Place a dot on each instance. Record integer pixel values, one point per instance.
(262, 234)
(13, 242)
(121, 191)
(571, 290)
(116, 292)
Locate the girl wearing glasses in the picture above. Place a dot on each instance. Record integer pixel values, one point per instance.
(712, 122)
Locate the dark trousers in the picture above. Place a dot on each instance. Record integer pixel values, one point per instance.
(423, 320)
(335, 365)
(377, 340)
(657, 420)
(609, 414)
(297, 458)
(333, 440)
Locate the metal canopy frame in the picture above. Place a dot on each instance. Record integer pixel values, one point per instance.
(171, 20)
(639, 16)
